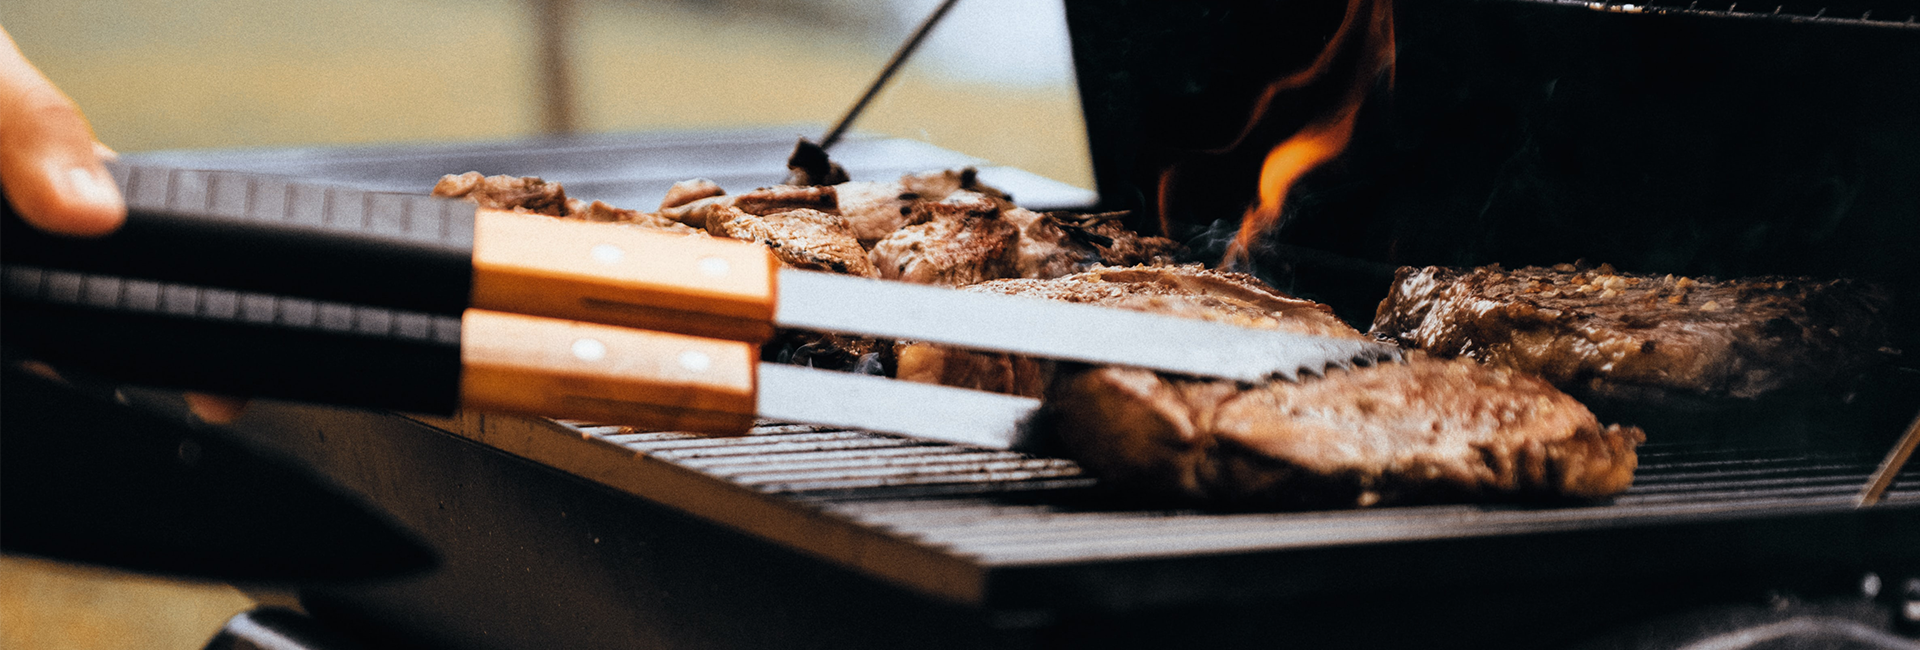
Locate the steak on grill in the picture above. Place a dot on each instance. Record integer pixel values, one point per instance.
(1617, 336)
(956, 241)
(1188, 291)
(803, 239)
(531, 195)
(1426, 430)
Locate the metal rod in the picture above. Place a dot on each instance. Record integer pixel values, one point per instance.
(893, 65)
(1897, 458)
(554, 24)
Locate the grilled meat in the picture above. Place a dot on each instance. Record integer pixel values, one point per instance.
(1057, 244)
(780, 198)
(939, 184)
(531, 195)
(809, 165)
(1424, 431)
(957, 241)
(688, 191)
(703, 205)
(519, 194)
(601, 212)
(804, 239)
(875, 209)
(1609, 335)
(1188, 291)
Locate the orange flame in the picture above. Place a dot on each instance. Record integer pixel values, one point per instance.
(1324, 137)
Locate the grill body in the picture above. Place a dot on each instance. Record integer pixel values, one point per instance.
(766, 553)
(588, 537)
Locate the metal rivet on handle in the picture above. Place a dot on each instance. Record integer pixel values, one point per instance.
(607, 254)
(695, 361)
(589, 350)
(714, 267)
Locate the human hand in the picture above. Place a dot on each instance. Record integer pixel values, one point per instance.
(50, 166)
(50, 163)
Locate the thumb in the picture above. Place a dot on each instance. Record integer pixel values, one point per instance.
(49, 164)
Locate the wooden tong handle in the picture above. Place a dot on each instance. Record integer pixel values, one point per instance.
(605, 273)
(542, 366)
(253, 232)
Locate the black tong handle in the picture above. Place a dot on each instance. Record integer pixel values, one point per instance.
(238, 342)
(262, 233)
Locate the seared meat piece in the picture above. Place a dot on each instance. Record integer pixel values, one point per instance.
(873, 209)
(709, 212)
(519, 194)
(804, 239)
(780, 198)
(877, 209)
(688, 191)
(1055, 244)
(601, 212)
(1187, 291)
(1603, 334)
(532, 195)
(959, 241)
(938, 185)
(698, 212)
(808, 165)
(1424, 431)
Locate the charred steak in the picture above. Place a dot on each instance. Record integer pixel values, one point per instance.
(1599, 333)
(1189, 291)
(1424, 431)
(1427, 430)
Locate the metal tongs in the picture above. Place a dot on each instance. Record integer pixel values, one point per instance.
(256, 285)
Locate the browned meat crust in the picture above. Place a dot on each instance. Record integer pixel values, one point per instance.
(804, 239)
(1427, 430)
(1044, 245)
(519, 194)
(1424, 431)
(711, 211)
(1599, 333)
(1056, 244)
(874, 209)
(601, 212)
(958, 241)
(688, 191)
(780, 198)
(877, 209)
(532, 195)
(939, 184)
(1189, 291)
(808, 165)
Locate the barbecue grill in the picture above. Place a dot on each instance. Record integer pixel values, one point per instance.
(582, 536)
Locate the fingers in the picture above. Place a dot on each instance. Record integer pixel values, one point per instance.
(48, 157)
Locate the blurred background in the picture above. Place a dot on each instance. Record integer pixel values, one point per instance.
(994, 81)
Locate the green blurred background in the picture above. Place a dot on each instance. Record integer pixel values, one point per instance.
(994, 82)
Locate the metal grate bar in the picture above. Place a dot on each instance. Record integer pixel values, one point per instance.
(946, 496)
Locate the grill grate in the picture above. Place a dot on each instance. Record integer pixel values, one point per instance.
(962, 499)
(827, 463)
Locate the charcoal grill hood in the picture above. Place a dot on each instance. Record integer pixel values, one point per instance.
(1666, 137)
